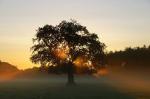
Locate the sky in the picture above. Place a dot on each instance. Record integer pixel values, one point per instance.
(118, 23)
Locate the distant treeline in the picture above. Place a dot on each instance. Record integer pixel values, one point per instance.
(133, 58)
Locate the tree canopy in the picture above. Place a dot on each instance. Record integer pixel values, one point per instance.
(67, 42)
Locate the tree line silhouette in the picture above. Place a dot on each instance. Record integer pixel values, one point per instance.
(131, 58)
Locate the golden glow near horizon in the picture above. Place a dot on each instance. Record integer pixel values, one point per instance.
(119, 23)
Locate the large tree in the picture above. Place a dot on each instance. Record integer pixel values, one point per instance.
(68, 44)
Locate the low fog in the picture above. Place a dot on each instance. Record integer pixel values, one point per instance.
(121, 83)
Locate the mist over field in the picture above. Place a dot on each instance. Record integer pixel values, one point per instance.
(107, 84)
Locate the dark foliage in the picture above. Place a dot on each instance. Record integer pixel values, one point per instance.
(138, 57)
(70, 34)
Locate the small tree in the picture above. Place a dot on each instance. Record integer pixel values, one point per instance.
(68, 43)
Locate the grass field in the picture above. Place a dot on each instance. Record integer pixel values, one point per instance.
(55, 88)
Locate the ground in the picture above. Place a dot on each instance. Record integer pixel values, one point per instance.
(54, 87)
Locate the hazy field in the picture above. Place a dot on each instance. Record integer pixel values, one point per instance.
(87, 87)
(56, 89)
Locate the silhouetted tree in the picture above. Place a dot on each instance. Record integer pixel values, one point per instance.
(63, 44)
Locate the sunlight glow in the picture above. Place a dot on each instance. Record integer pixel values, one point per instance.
(62, 52)
(82, 61)
(102, 72)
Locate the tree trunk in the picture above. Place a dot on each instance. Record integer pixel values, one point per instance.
(70, 74)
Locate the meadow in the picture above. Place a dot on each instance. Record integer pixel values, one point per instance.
(54, 87)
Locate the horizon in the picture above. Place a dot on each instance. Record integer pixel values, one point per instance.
(119, 24)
